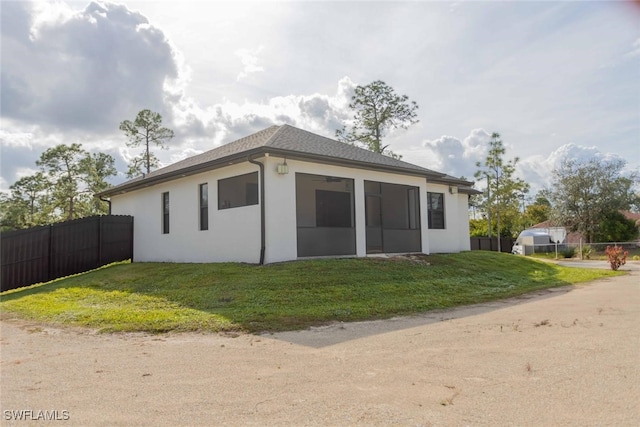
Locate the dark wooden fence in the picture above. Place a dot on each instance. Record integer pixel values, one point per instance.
(45, 253)
(491, 244)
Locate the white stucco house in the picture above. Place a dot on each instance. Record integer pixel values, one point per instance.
(284, 194)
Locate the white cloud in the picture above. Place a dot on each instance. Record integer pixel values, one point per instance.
(579, 154)
(538, 170)
(85, 69)
(23, 171)
(48, 13)
(249, 59)
(183, 154)
(204, 128)
(456, 157)
(15, 135)
(10, 138)
(635, 49)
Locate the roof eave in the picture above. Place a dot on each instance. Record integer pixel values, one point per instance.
(468, 190)
(239, 157)
(448, 180)
(180, 173)
(319, 158)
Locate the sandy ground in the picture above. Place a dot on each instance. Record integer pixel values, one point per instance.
(568, 356)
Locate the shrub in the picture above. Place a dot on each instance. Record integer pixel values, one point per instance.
(617, 256)
(636, 258)
(586, 252)
(568, 252)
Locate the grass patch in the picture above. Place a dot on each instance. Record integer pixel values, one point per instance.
(160, 297)
(597, 253)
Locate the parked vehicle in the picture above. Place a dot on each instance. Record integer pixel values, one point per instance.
(544, 239)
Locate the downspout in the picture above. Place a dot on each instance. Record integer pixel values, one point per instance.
(262, 210)
(108, 201)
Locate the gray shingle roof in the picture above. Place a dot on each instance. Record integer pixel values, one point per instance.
(284, 140)
(303, 142)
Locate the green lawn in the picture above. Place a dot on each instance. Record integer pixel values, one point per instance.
(598, 253)
(160, 297)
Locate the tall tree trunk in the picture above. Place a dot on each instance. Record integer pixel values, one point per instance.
(148, 160)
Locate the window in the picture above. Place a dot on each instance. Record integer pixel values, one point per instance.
(165, 213)
(392, 206)
(435, 203)
(333, 209)
(413, 208)
(241, 190)
(392, 214)
(204, 206)
(324, 215)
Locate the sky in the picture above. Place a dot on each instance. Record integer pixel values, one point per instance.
(557, 80)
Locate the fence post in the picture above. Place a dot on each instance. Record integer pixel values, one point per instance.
(131, 236)
(580, 248)
(50, 259)
(100, 241)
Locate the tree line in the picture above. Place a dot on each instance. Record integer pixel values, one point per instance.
(585, 196)
(62, 189)
(69, 176)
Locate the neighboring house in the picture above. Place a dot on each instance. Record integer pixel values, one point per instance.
(284, 194)
(635, 217)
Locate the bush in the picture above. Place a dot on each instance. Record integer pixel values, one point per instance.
(586, 252)
(636, 258)
(617, 256)
(568, 252)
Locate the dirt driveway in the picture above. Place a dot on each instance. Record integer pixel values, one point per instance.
(568, 356)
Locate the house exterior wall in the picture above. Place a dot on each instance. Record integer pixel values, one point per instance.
(281, 205)
(462, 224)
(233, 234)
(455, 236)
(280, 211)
